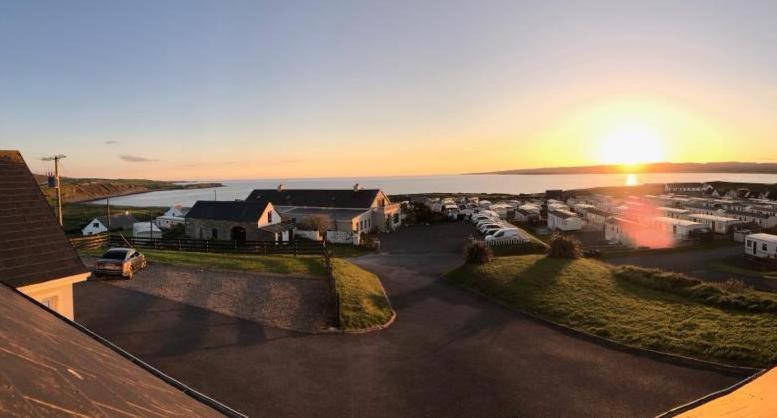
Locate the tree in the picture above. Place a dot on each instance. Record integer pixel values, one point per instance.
(317, 222)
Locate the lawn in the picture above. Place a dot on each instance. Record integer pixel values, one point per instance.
(363, 304)
(584, 294)
(285, 264)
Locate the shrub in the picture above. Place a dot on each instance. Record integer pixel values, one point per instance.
(733, 285)
(477, 252)
(564, 246)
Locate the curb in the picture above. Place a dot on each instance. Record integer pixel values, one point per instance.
(736, 371)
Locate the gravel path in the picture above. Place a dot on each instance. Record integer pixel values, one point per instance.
(281, 301)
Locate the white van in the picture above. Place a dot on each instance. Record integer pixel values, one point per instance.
(505, 234)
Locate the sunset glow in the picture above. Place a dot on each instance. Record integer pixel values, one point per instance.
(631, 144)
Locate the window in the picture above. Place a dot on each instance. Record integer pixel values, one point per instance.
(763, 247)
(50, 302)
(749, 243)
(96, 224)
(214, 233)
(269, 217)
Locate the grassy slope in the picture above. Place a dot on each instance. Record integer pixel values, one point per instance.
(584, 295)
(284, 264)
(363, 304)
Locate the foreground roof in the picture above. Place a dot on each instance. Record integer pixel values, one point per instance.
(755, 398)
(50, 366)
(236, 211)
(322, 198)
(33, 247)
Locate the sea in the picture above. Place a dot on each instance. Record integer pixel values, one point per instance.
(457, 183)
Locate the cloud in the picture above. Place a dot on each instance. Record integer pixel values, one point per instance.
(112, 142)
(136, 159)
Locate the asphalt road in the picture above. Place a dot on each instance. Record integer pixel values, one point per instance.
(694, 263)
(449, 353)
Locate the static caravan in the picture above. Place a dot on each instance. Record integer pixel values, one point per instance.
(564, 220)
(673, 212)
(680, 228)
(718, 224)
(761, 245)
(451, 210)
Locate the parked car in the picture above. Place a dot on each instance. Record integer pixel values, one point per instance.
(478, 218)
(486, 227)
(122, 262)
(504, 233)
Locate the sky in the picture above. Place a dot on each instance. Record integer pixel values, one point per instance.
(288, 89)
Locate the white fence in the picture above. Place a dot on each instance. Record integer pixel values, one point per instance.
(506, 241)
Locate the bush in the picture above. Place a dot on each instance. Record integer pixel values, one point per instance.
(731, 294)
(477, 252)
(564, 246)
(734, 285)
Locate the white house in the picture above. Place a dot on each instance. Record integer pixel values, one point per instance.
(761, 245)
(100, 224)
(176, 215)
(718, 224)
(146, 230)
(564, 220)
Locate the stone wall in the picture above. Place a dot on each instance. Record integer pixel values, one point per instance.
(204, 228)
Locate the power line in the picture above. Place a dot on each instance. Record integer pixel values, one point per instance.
(56, 159)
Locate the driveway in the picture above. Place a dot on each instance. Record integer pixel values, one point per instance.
(449, 353)
(294, 302)
(694, 263)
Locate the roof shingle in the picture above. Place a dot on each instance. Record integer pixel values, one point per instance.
(33, 247)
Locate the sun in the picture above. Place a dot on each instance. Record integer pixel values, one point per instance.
(631, 144)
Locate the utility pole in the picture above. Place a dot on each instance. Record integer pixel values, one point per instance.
(108, 210)
(56, 159)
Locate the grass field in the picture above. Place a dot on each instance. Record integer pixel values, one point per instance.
(285, 264)
(363, 304)
(76, 215)
(585, 295)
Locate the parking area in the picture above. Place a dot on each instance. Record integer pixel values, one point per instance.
(300, 303)
(449, 353)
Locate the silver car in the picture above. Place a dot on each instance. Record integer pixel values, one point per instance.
(122, 262)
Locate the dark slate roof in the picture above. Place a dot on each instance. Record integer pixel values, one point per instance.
(33, 247)
(317, 198)
(118, 221)
(333, 213)
(50, 366)
(237, 211)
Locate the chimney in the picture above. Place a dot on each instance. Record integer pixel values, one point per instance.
(280, 187)
(356, 187)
